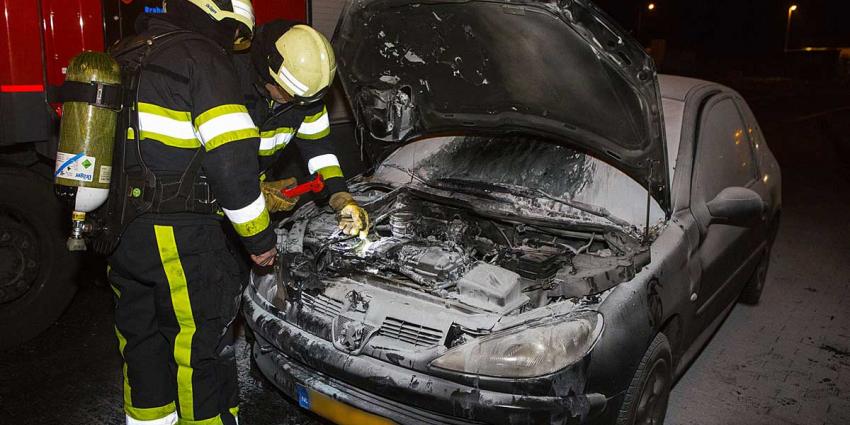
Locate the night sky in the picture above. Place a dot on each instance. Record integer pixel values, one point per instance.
(737, 27)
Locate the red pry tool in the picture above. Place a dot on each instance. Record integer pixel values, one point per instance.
(316, 185)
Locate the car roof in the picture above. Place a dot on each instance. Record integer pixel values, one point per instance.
(677, 88)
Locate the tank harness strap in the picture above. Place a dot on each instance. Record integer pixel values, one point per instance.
(94, 93)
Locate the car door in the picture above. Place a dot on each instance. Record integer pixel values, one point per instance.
(723, 158)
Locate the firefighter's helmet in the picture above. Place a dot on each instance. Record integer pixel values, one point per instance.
(240, 11)
(303, 63)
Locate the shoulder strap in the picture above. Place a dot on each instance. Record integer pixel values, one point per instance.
(133, 56)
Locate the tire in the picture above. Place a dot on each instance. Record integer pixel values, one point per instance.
(37, 273)
(646, 399)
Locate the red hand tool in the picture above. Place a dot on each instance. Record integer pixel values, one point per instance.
(316, 185)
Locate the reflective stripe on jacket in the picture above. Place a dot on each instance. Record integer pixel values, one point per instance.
(309, 127)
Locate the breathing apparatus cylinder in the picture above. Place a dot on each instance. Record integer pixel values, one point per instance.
(86, 140)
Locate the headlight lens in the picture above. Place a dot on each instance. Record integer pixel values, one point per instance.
(526, 352)
(265, 284)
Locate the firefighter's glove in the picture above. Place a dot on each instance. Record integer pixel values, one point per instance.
(352, 219)
(275, 201)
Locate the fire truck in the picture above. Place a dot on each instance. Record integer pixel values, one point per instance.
(38, 276)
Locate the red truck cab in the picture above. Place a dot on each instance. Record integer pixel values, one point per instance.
(38, 276)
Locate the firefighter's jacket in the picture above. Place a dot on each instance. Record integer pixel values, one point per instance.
(308, 127)
(190, 98)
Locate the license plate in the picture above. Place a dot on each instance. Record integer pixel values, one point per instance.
(336, 411)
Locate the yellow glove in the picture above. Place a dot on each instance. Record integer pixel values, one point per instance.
(275, 201)
(352, 219)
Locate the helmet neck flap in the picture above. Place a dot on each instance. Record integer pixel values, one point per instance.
(212, 19)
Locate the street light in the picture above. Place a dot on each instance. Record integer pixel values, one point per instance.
(791, 10)
(650, 8)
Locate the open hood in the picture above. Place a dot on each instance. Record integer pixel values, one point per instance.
(561, 70)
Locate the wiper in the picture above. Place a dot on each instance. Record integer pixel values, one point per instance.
(413, 175)
(463, 186)
(532, 193)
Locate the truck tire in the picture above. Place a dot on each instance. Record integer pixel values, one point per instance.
(37, 274)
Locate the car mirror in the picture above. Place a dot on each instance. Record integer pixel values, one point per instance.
(736, 206)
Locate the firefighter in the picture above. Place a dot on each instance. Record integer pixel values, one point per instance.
(177, 284)
(294, 66)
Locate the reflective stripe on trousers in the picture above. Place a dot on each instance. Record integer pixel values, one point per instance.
(168, 420)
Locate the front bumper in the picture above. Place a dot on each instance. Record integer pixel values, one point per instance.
(291, 357)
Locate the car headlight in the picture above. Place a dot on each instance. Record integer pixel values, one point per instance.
(525, 352)
(265, 285)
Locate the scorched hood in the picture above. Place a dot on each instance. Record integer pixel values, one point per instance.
(560, 70)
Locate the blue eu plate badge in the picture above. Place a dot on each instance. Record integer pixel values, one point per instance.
(303, 396)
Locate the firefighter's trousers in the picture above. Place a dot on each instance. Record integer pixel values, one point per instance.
(177, 292)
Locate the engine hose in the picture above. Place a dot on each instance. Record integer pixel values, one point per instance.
(585, 247)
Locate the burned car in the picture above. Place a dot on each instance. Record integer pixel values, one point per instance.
(556, 230)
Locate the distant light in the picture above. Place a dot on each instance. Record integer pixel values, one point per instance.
(793, 8)
(651, 6)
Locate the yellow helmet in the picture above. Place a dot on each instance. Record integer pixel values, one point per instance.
(242, 13)
(306, 64)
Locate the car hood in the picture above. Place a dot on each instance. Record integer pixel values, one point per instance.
(559, 70)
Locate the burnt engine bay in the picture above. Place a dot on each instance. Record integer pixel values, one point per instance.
(431, 251)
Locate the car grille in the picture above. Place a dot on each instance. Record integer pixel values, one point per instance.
(411, 333)
(322, 304)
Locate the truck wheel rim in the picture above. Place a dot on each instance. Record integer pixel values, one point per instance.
(19, 259)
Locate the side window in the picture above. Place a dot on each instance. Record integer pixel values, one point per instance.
(766, 165)
(724, 157)
(756, 136)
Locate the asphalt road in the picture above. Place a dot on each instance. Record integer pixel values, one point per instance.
(785, 361)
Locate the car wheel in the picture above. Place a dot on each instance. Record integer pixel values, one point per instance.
(752, 291)
(646, 398)
(37, 273)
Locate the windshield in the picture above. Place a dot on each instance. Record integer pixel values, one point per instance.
(519, 161)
